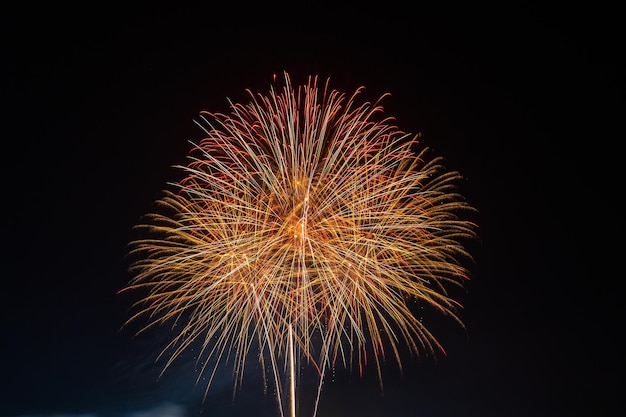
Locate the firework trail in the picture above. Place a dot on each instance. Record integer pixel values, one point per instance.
(305, 222)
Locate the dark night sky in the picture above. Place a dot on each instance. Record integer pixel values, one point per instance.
(526, 102)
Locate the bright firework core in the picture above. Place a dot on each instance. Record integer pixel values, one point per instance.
(304, 229)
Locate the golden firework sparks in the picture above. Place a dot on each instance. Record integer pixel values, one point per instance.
(305, 222)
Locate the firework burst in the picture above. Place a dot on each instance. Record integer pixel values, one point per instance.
(303, 229)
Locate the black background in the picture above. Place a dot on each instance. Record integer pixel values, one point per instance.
(527, 102)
